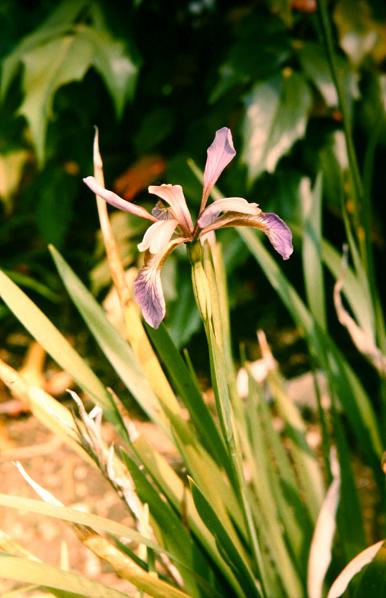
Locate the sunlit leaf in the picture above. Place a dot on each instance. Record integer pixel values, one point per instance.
(360, 32)
(57, 23)
(354, 566)
(48, 67)
(116, 349)
(74, 516)
(311, 202)
(281, 8)
(348, 387)
(317, 69)
(54, 343)
(275, 117)
(321, 545)
(25, 570)
(115, 63)
(11, 170)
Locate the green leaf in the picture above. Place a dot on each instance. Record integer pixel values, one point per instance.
(79, 517)
(355, 292)
(183, 319)
(115, 348)
(271, 456)
(154, 127)
(348, 387)
(54, 200)
(40, 327)
(305, 461)
(56, 24)
(173, 488)
(270, 501)
(25, 570)
(270, 43)
(115, 63)
(360, 32)
(188, 392)
(225, 544)
(315, 65)
(175, 536)
(362, 559)
(275, 117)
(281, 8)
(28, 282)
(46, 68)
(311, 200)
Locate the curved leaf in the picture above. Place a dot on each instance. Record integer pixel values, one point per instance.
(116, 350)
(22, 569)
(40, 327)
(276, 117)
(115, 64)
(355, 565)
(48, 67)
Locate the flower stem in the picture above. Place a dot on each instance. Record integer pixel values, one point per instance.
(206, 295)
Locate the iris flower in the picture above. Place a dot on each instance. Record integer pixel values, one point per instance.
(172, 224)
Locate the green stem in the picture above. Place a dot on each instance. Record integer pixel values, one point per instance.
(208, 309)
(357, 186)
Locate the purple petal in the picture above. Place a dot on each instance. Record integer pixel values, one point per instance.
(220, 153)
(174, 196)
(276, 230)
(278, 233)
(148, 287)
(114, 200)
(228, 204)
(149, 295)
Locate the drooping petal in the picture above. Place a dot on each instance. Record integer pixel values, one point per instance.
(148, 287)
(174, 196)
(116, 201)
(229, 204)
(276, 230)
(158, 236)
(278, 233)
(220, 153)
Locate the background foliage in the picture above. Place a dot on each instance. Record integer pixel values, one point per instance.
(303, 88)
(158, 82)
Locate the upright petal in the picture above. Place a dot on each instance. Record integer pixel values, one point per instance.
(228, 204)
(220, 153)
(116, 201)
(158, 236)
(174, 196)
(148, 287)
(276, 230)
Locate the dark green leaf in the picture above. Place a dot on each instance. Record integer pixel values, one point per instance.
(155, 126)
(175, 536)
(225, 544)
(188, 392)
(183, 318)
(255, 53)
(54, 201)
